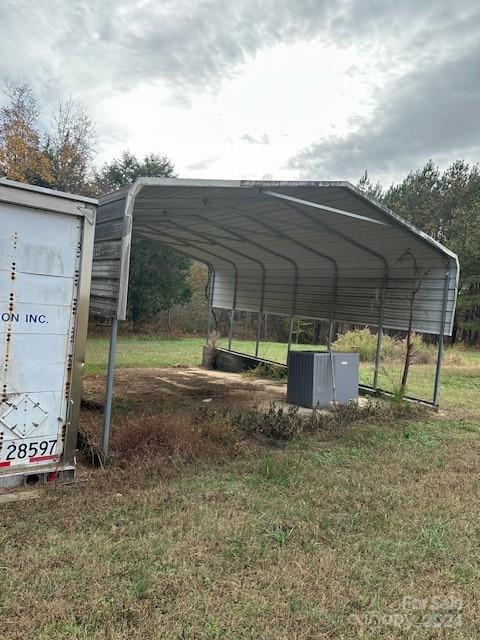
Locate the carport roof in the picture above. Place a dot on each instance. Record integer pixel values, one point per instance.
(312, 249)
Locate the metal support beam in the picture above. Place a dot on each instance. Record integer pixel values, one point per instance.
(259, 333)
(211, 282)
(277, 234)
(107, 415)
(264, 248)
(290, 332)
(329, 229)
(332, 307)
(230, 329)
(380, 330)
(232, 312)
(263, 271)
(273, 253)
(316, 205)
(438, 368)
(295, 281)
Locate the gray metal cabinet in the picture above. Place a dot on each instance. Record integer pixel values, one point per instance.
(310, 380)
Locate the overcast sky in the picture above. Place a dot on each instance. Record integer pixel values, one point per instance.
(315, 89)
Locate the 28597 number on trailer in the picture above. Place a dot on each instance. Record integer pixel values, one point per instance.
(33, 451)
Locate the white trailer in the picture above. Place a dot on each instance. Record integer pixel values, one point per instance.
(46, 245)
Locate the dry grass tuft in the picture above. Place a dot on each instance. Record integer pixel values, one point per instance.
(164, 435)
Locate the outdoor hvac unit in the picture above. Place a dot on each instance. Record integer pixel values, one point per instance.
(311, 383)
(46, 246)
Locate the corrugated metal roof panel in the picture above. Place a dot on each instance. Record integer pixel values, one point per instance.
(281, 247)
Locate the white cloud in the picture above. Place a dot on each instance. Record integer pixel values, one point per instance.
(199, 80)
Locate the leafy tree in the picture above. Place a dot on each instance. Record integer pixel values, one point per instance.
(158, 275)
(158, 281)
(416, 199)
(128, 168)
(193, 316)
(444, 205)
(468, 310)
(374, 191)
(21, 146)
(60, 158)
(70, 149)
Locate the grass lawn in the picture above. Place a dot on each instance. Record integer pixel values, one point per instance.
(170, 351)
(372, 532)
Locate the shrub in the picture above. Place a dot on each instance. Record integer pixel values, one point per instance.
(285, 423)
(364, 343)
(453, 357)
(278, 422)
(268, 370)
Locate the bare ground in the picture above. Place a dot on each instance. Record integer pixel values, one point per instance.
(175, 413)
(189, 385)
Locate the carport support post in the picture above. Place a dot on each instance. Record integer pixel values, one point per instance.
(232, 312)
(109, 390)
(333, 304)
(290, 333)
(438, 368)
(259, 333)
(211, 280)
(380, 331)
(330, 334)
(230, 330)
(260, 311)
(377, 355)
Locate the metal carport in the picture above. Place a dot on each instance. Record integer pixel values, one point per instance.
(313, 249)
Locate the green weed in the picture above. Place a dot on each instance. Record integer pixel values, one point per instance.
(433, 538)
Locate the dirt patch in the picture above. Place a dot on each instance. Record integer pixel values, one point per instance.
(172, 413)
(185, 385)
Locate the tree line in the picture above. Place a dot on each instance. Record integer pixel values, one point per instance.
(61, 155)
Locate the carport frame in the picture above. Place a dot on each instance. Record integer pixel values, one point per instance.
(293, 203)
